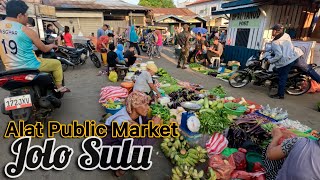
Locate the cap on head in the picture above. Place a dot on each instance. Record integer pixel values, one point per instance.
(277, 27)
(186, 26)
(152, 67)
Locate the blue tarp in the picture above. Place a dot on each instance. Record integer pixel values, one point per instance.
(235, 11)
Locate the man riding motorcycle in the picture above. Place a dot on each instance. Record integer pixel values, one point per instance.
(16, 49)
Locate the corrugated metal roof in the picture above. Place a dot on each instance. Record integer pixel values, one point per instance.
(98, 5)
(160, 18)
(173, 11)
(187, 18)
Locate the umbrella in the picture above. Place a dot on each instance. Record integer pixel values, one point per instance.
(199, 30)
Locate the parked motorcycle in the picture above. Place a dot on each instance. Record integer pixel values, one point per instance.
(75, 56)
(89, 46)
(32, 94)
(168, 41)
(298, 82)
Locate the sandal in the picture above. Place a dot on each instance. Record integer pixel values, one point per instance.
(119, 173)
(63, 90)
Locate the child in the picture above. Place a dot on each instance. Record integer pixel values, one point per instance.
(112, 57)
(119, 52)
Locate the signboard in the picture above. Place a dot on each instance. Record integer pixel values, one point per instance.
(246, 20)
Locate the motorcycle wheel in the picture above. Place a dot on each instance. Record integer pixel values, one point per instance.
(144, 48)
(299, 87)
(239, 80)
(64, 67)
(95, 60)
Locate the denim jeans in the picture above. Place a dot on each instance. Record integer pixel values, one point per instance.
(159, 50)
(314, 75)
(283, 73)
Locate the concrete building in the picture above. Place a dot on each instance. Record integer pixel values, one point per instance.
(206, 8)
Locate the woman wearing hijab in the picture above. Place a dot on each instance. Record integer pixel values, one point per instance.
(134, 38)
(120, 55)
(135, 112)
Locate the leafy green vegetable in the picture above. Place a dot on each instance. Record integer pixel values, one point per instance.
(194, 65)
(171, 89)
(168, 79)
(161, 111)
(214, 122)
(268, 127)
(217, 90)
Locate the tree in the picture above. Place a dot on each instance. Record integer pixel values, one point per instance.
(157, 3)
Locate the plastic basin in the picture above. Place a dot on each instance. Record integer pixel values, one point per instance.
(238, 112)
(113, 111)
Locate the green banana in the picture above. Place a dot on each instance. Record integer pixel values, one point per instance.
(200, 174)
(202, 160)
(175, 177)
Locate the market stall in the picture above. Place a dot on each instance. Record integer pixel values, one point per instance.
(221, 137)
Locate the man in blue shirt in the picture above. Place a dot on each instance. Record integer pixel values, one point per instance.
(102, 31)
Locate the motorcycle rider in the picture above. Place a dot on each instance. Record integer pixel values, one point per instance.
(17, 50)
(285, 56)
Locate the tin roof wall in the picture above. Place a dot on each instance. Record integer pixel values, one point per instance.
(173, 11)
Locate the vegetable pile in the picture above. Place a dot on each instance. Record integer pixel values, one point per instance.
(180, 96)
(213, 121)
(171, 89)
(162, 72)
(180, 152)
(161, 111)
(195, 65)
(112, 105)
(168, 80)
(219, 90)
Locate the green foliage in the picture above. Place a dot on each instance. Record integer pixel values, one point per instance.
(157, 3)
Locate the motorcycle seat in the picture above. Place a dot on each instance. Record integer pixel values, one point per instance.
(18, 71)
(74, 49)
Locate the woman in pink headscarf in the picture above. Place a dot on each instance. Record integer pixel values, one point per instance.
(159, 43)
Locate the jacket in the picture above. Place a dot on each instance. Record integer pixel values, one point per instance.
(119, 52)
(284, 51)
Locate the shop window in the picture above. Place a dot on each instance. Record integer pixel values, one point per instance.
(242, 37)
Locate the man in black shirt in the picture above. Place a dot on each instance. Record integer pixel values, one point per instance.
(130, 57)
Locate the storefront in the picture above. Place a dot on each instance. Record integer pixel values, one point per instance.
(250, 23)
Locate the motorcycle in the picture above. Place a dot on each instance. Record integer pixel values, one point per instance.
(168, 41)
(32, 94)
(298, 82)
(143, 45)
(75, 56)
(89, 46)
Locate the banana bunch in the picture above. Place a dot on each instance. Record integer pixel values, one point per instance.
(211, 174)
(180, 153)
(186, 173)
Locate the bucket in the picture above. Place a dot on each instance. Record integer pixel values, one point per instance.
(253, 157)
(222, 68)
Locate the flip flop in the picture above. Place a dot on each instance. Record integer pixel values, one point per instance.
(119, 173)
(63, 90)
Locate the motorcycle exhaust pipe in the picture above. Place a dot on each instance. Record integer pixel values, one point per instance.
(65, 61)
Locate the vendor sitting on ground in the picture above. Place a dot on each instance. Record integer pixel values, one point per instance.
(294, 158)
(135, 112)
(144, 82)
(215, 50)
(130, 56)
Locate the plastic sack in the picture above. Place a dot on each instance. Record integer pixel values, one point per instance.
(113, 76)
(315, 87)
(240, 159)
(216, 144)
(222, 166)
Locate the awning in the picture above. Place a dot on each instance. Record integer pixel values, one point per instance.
(236, 3)
(235, 11)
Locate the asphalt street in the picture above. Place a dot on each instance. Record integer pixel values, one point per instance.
(82, 104)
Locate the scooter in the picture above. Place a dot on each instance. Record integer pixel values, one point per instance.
(89, 46)
(75, 56)
(32, 94)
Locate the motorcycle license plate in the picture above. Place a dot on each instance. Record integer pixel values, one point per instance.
(17, 102)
